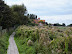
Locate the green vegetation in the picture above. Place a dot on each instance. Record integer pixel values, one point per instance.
(18, 14)
(6, 19)
(4, 40)
(11, 17)
(4, 43)
(44, 40)
(57, 24)
(32, 16)
(14, 15)
(70, 25)
(41, 21)
(33, 40)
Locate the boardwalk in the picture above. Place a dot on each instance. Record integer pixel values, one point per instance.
(12, 49)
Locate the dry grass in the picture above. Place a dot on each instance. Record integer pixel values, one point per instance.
(46, 40)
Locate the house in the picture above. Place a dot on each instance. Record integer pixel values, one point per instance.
(36, 21)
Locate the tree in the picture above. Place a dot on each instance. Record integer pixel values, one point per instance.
(57, 24)
(28, 16)
(70, 25)
(33, 16)
(6, 19)
(14, 15)
(46, 23)
(63, 24)
(19, 11)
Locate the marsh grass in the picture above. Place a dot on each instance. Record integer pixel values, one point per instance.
(46, 40)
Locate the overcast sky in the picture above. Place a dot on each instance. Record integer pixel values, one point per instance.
(53, 11)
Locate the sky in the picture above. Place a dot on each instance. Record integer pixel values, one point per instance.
(52, 11)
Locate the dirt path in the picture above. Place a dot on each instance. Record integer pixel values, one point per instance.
(12, 48)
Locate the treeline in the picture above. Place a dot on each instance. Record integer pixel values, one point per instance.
(57, 24)
(14, 15)
(63, 24)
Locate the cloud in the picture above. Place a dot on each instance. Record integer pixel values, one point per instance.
(58, 19)
(52, 11)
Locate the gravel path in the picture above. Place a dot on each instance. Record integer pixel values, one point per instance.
(12, 49)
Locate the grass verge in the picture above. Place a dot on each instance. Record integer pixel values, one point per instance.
(4, 43)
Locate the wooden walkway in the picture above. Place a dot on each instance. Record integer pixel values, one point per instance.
(12, 49)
